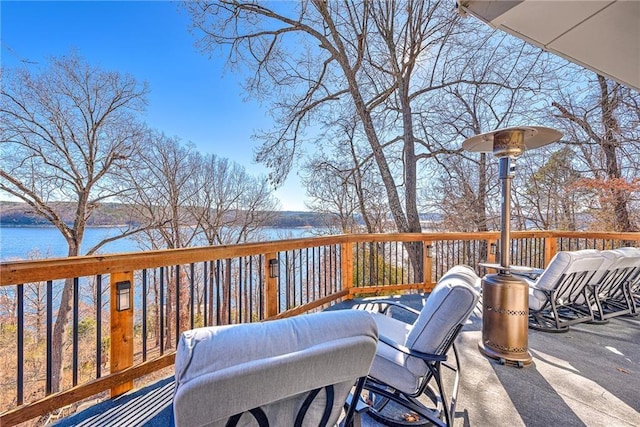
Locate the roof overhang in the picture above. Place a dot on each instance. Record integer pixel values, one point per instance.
(601, 35)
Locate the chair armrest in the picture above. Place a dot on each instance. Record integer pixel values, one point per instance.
(420, 355)
(397, 304)
(532, 273)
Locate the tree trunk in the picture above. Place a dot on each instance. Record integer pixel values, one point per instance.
(62, 320)
(609, 144)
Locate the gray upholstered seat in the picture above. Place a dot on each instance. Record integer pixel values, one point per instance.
(266, 372)
(410, 355)
(557, 298)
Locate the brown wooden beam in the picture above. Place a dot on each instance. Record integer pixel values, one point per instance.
(121, 339)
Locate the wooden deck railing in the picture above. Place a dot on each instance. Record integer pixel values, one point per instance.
(175, 290)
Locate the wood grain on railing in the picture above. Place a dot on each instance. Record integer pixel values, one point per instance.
(121, 324)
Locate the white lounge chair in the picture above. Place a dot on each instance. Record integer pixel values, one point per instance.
(410, 357)
(557, 298)
(611, 293)
(290, 372)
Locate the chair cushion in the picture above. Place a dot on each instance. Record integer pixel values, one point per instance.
(611, 259)
(568, 262)
(390, 366)
(199, 349)
(449, 305)
(561, 264)
(222, 371)
(464, 270)
(623, 268)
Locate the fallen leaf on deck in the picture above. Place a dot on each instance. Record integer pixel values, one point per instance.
(411, 418)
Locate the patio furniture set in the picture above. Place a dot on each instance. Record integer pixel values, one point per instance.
(327, 368)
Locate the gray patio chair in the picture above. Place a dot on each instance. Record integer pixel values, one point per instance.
(558, 297)
(612, 293)
(411, 357)
(290, 372)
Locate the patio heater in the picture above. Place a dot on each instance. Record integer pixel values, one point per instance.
(505, 307)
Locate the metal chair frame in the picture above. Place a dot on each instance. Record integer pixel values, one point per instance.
(435, 363)
(633, 288)
(262, 420)
(612, 295)
(561, 309)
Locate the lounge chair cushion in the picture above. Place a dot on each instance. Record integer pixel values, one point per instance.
(469, 273)
(625, 262)
(390, 365)
(449, 305)
(223, 371)
(563, 263)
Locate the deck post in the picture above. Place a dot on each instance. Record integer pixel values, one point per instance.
(492, 245)
(271, 286)
(346, 265)
(550, 249)
(121, 349)
(427, 251)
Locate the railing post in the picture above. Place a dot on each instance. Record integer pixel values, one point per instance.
(427, 251)
(271, 291)
(346, 261)
(121, 348)
(492, 245)
(550, 249)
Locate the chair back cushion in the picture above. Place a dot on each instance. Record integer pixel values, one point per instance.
(564, 263)
(449, 305)
(625, 266)
(610, 260)
(228, 370)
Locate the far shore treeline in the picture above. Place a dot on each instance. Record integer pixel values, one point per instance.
(18, 214)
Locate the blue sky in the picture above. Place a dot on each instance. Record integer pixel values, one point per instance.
(191, 96)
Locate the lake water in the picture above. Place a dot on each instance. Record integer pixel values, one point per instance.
(18, 243)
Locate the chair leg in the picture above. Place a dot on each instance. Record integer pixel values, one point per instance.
(394, 416)
(353, 416)
(539, 322)
(441, 415)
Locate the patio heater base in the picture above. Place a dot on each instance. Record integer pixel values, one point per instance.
(505, 319)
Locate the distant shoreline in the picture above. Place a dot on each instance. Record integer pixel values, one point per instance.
(20, 214)
(5, 225)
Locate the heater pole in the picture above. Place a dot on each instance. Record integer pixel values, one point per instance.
(507, 166)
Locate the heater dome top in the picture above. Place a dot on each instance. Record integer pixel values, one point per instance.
(512, 140)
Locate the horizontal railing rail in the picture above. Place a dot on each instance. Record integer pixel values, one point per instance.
(103, 348)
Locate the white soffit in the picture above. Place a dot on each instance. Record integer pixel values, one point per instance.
(602, 35)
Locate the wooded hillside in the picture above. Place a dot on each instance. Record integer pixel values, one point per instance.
(17, 214)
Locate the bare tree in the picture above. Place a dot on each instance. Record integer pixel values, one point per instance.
(343, 183)
(378, 59)
(501, 80)
(231, 205)
(164, 176)
(166, 186)
(601, 119)
(65, 134)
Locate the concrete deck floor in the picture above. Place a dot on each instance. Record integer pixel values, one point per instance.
(588, 376)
